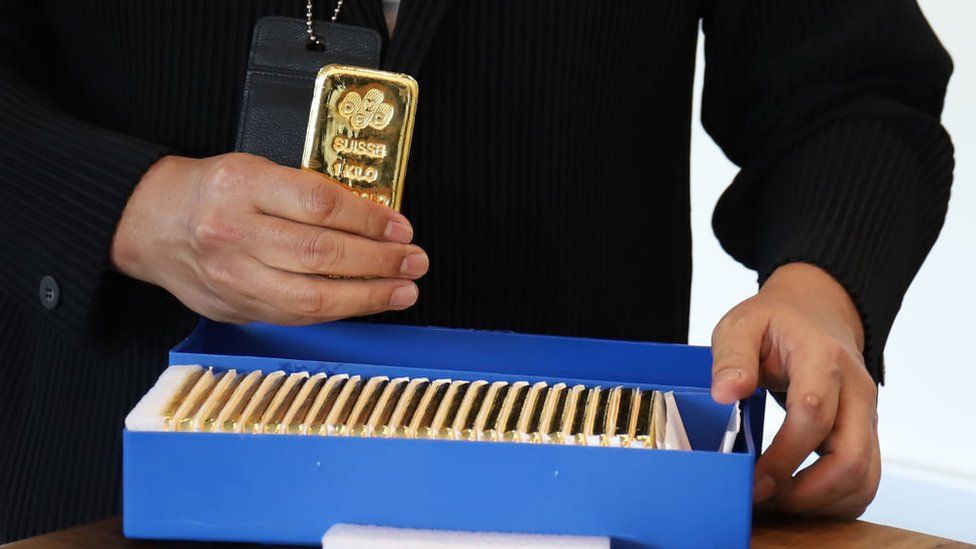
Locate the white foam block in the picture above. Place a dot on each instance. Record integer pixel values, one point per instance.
(353, 536)
(148, 413)
(675, 436)
(731, 431)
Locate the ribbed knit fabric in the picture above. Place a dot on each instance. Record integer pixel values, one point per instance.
(548, 179)
(832, 110)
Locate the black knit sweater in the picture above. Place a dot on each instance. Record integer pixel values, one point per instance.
(549, 178)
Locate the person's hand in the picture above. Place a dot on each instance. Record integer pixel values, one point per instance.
(238, 238)
(802, 334)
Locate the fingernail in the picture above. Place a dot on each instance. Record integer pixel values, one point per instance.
(763, 489)
(397, 231)
(730, 374)
(415, 264)
(404, 296)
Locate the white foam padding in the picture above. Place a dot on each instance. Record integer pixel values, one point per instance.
(354, 536)
(148, 413)
(675, 436)
(731, 431)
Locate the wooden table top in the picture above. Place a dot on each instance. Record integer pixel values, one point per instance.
(768, 532)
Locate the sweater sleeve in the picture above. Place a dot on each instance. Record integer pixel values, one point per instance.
(831, 110)
(63, 185)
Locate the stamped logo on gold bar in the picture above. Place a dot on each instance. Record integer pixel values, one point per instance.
(359, 130)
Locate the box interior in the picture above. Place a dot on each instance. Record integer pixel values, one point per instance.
(391, 350)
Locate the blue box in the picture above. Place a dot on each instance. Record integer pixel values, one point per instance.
(290, 488)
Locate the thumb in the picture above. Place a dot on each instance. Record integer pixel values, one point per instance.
(736, 344)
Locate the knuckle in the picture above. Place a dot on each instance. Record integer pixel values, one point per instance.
(229, 173)
(833, 372)
(309, 301)
(726, 325)
(337, 252)
(815, 410)
(740, 319)
(837, 352)
(856, 468)
(319, 251)
(214, 230)
(728, 321)
(321, 202)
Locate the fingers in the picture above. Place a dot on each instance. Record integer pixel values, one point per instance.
(736, 345)
(314, 199)
(811, 408)
(855, 504)
(329, 299)
(849, 506)
(846, 475)
(249, 288)
(300, 248)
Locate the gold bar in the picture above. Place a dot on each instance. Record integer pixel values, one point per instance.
(273, 418)
(448, 409)
(324, 402)
(228, 401)
(591, 417)
(385, 406)
(468, 410)
(206, 417)
(611, 416)
(294, 420)
(420, 424)
(260, 400)
(343, 406)
(188, 384)
(511, 409)
(229, 418)
(183, 417)
(643, 435)
(572, 416)
(356, 424)
(359, 130)
(528, 418)
(550, 414)
(490, 409)
(628, 433)
(402, 415)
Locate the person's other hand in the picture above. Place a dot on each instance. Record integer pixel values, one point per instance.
(802, 334)
(238, 238)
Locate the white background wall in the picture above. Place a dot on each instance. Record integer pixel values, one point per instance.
(927, 420)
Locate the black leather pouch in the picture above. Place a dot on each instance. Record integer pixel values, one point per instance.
(280, 79)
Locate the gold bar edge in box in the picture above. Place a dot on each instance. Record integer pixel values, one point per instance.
(372, 128)
(198, 399)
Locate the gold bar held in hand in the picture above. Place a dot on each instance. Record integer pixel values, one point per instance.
(359, 130)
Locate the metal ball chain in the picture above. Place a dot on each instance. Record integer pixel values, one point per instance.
(309, 29)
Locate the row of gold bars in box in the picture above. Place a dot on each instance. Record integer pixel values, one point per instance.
(204, 400)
